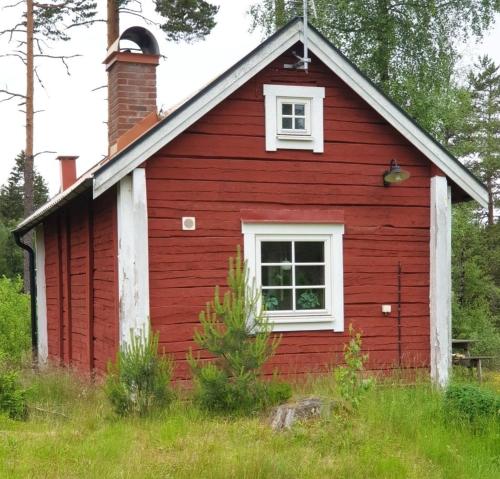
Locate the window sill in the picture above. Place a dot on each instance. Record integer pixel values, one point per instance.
(292, 137)
(303, 323)
(291, 324)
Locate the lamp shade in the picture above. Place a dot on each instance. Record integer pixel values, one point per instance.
(395, 174)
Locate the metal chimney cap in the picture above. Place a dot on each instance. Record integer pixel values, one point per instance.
(143, 38)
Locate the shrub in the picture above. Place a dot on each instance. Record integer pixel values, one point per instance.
(139, 380)
(13, 398)
(349, 378)
(236, 331)
(14, 320)
(469, 402)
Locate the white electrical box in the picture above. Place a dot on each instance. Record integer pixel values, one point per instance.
(188, 223)
(386, 309)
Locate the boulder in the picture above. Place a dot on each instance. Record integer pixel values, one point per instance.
(284, 416)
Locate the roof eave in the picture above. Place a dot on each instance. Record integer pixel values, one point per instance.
(51, 206)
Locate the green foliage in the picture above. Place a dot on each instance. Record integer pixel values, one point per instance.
(11, 193)
(139, 380)
(469, 402)
(187, 20)
(242, 393)
(236, 331)
(11, 256)
(12, 211)
(13, 397)
(51, 20)
(14, 320)
(483, 135)
(475, 280)
(349, 378)
(308, 300)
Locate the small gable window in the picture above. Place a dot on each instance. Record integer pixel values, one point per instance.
(294, 117)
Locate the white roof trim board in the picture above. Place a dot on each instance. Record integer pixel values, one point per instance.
(109, 173)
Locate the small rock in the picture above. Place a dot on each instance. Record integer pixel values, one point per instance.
(284, 416)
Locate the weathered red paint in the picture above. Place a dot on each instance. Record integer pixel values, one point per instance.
(81, 285)
(219, 172)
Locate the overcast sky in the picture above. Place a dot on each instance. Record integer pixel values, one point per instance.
(72, 118)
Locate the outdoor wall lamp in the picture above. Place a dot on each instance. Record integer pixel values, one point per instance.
(394, 174)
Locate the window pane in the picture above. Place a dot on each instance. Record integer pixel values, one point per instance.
(300, 124)
(277, 299)
(309, 275)
(286, 123)
(277, 276)
(300, 109)
(286, 108)
(310, 299)
(276, 251)
(309, 252)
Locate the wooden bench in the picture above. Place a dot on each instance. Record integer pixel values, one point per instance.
(466, 359)
(472, 362)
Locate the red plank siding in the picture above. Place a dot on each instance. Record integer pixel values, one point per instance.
(105, 284)
(81, 285)
(219, 167)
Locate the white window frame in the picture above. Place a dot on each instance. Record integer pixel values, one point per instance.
(284, 132)
(276, 137)
(332, 317)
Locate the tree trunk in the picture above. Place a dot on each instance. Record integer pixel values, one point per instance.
(279, 13)
(113, 21)
(491, 203)
(28, 161)
(383, 50)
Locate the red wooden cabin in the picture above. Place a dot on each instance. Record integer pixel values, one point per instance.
(287, 162)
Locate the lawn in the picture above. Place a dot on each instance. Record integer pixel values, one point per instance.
(400, 431)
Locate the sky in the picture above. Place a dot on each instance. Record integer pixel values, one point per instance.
(72, 113)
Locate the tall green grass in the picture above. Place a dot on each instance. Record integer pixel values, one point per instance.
(399, 431)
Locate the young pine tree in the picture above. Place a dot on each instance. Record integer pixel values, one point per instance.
(236, 331)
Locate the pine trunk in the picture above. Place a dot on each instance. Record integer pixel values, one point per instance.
(28, 162)
(113, 21)
(491, 203)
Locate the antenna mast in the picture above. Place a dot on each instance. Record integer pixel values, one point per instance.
(302, 62)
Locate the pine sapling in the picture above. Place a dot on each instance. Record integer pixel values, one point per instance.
(235, 329)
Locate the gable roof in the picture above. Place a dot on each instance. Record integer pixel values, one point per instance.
(112, 171)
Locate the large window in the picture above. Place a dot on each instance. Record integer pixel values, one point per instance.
(298, 269)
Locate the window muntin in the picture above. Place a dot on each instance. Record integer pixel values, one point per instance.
(294, 116)
(293, 275)
(318, 256)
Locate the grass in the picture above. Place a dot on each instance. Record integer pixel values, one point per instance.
(400, 431)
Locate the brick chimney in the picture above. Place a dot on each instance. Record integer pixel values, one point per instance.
(131, 82)
(67, 167)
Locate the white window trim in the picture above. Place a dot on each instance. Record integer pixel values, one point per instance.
(274, 95)
(333, 319)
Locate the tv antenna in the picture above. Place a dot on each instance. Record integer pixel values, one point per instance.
(303, 61)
